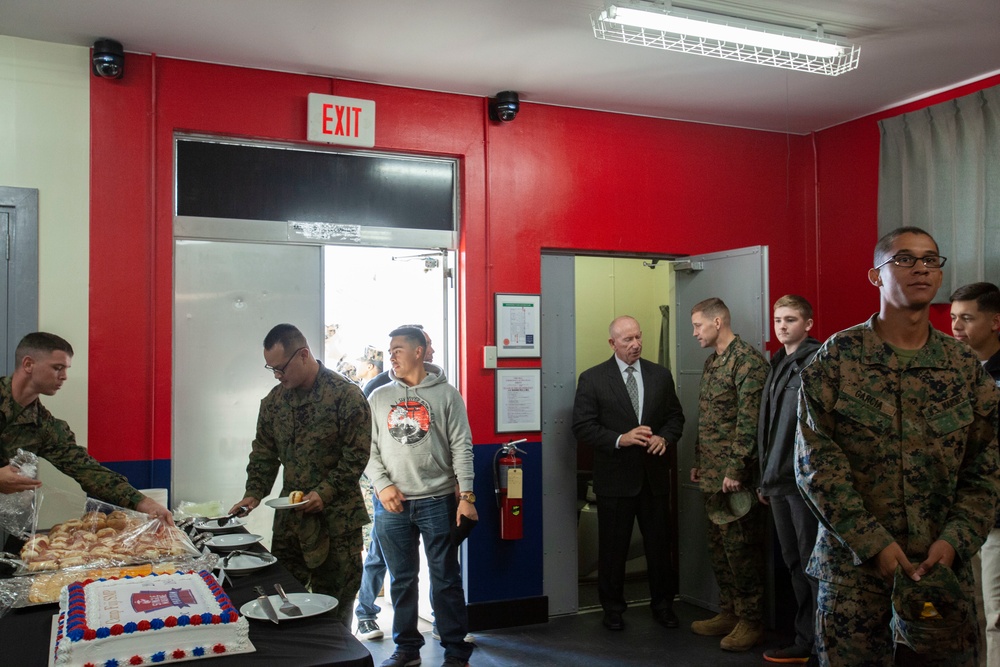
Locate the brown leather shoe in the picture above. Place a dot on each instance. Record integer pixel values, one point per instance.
(719, 625)
(744, 636)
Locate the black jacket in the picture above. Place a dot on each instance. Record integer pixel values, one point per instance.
(992, 366)
(602, 411)
(778, 419)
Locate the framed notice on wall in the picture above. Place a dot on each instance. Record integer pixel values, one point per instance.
(519, 399)
(518, 325)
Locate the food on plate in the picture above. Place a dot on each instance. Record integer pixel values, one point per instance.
(295, 497)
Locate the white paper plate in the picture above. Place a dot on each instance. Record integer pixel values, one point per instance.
(214, 527)
(234, 541)
(282, 503)
(240, 564)
(311, 604)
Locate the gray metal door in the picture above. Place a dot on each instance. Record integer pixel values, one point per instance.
(227, 296)
(19, 255)
(738, 277)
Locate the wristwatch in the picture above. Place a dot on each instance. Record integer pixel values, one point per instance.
(467, 496)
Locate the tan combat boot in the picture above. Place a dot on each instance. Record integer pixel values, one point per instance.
(717, 626)
(744, 636)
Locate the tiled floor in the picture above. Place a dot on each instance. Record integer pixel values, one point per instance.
(581, 641)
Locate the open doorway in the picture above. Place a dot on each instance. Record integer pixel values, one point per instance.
(367, 292)
(580, 297)
(228, 295)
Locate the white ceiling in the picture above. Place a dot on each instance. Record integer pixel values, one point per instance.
(545, 50)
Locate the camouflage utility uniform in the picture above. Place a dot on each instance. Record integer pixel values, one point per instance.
(728, 409)
(892, 450)
(322, 436)
(35, 430)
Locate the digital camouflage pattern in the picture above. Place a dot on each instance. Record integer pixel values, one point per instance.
(736, 552)
(35, 430)
(853, 629)
(889, 450)
(339, 575)
(728, 409)
(322, 436)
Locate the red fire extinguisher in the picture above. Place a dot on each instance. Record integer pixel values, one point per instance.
(508, 483)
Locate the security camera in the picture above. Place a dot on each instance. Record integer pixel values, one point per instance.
(504, 106)
(108, 59)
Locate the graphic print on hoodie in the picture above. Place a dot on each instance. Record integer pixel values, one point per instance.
(409, 420)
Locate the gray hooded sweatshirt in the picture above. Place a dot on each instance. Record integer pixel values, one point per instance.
(421, 439)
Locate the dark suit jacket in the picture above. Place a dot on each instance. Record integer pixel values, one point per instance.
(602, 411)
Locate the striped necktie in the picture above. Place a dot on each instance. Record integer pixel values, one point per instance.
(632, 387)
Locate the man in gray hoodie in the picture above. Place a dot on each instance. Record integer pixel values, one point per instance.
(421, 452)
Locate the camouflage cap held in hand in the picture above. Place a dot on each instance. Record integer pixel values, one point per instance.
(722, 507)
(928, 615)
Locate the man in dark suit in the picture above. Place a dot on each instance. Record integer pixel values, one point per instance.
(627, 410)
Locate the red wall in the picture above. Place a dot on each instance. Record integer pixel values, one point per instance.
(554, 178)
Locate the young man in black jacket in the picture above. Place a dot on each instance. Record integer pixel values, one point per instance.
(793, 521)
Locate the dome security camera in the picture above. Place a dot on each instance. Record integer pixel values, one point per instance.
(504, 106)
(108, 60)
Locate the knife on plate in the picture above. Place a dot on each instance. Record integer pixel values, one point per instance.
(264, 603)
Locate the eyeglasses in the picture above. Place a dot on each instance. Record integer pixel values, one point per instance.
(909, 261)
(280, 370)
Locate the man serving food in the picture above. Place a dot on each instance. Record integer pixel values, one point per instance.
(317, 424)
(41, 364)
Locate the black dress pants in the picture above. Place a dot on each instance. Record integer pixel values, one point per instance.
(615, 518)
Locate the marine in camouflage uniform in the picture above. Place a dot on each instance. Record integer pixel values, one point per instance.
(35, 430)
(889, 450)
(728, 410)
(321, 434)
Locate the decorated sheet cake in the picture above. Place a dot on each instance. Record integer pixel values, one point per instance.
(147, 620)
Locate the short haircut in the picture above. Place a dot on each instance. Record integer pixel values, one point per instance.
(288, 335)
(412, 334)
(884, 245)
(986, 296)
(712, 307)
(40, 342)
(795, 302)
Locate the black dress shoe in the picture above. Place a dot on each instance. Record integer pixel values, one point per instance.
(666, 617)
(613, 620)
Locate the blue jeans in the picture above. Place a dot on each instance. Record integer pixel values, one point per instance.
(372, 576)
(428, 520)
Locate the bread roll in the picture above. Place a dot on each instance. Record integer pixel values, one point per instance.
(39, 565)
(295, 497)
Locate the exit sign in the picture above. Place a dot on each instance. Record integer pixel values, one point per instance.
(341, 120)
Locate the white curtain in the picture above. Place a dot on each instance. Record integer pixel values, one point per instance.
(939, 170)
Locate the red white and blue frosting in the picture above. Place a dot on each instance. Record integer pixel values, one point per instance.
(147, 620)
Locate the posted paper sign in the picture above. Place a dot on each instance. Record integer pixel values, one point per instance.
(341, 120)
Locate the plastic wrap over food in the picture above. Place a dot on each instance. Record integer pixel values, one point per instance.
(45, 587)
(104, 536)
(186, 509)
(17, 510)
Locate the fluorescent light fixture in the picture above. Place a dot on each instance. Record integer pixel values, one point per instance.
(702, 33)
